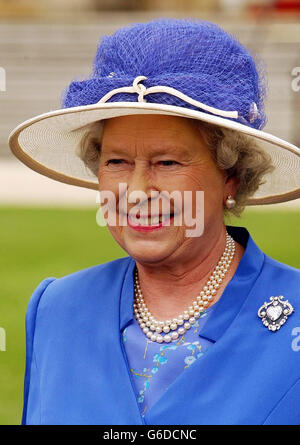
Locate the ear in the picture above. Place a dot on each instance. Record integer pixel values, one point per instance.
(230, 186)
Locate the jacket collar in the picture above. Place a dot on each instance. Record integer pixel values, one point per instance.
(233, 296)
(127, 296)
(238, 288)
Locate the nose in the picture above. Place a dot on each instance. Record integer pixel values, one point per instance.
(140, 185)
(140, 179)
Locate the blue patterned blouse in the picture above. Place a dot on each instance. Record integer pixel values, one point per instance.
(154, 366)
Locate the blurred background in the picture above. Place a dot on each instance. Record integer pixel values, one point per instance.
(48, 228)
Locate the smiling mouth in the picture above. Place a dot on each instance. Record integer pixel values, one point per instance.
(149, 221)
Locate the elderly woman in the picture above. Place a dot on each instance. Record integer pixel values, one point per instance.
(195, 325)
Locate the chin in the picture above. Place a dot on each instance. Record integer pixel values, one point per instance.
(146, 251)
(147, 248)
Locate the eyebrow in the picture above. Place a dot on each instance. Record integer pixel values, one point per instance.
(167, 150)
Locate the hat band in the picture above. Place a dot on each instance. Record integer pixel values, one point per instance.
(142, 91)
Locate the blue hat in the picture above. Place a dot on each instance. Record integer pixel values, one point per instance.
(197, 58)
(182, 67)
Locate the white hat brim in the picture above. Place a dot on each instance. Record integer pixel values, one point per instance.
(48, 143)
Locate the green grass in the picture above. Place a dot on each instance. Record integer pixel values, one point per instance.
(42, 242)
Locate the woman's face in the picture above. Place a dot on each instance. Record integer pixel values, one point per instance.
(160, 153)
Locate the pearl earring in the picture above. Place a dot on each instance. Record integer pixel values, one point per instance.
(230, 202)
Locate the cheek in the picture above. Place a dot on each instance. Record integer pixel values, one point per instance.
(118, 235)
(208, 180)
(109, 195)
(205, 178)
(181, 179)
(108, 180)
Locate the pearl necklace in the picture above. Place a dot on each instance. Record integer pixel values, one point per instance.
(179, 325)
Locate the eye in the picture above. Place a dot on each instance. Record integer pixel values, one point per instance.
(168, 163)
(114, 161)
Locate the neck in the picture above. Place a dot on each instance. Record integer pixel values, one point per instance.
(169, 289)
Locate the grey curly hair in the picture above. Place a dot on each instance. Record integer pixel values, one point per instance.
(236, 153)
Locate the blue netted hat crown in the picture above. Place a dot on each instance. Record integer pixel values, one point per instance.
(195, 57)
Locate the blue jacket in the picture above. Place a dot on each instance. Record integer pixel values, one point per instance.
(77, 370)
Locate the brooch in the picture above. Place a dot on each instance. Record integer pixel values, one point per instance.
(275, 313)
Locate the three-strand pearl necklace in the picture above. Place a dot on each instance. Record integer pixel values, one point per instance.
(178, 326)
